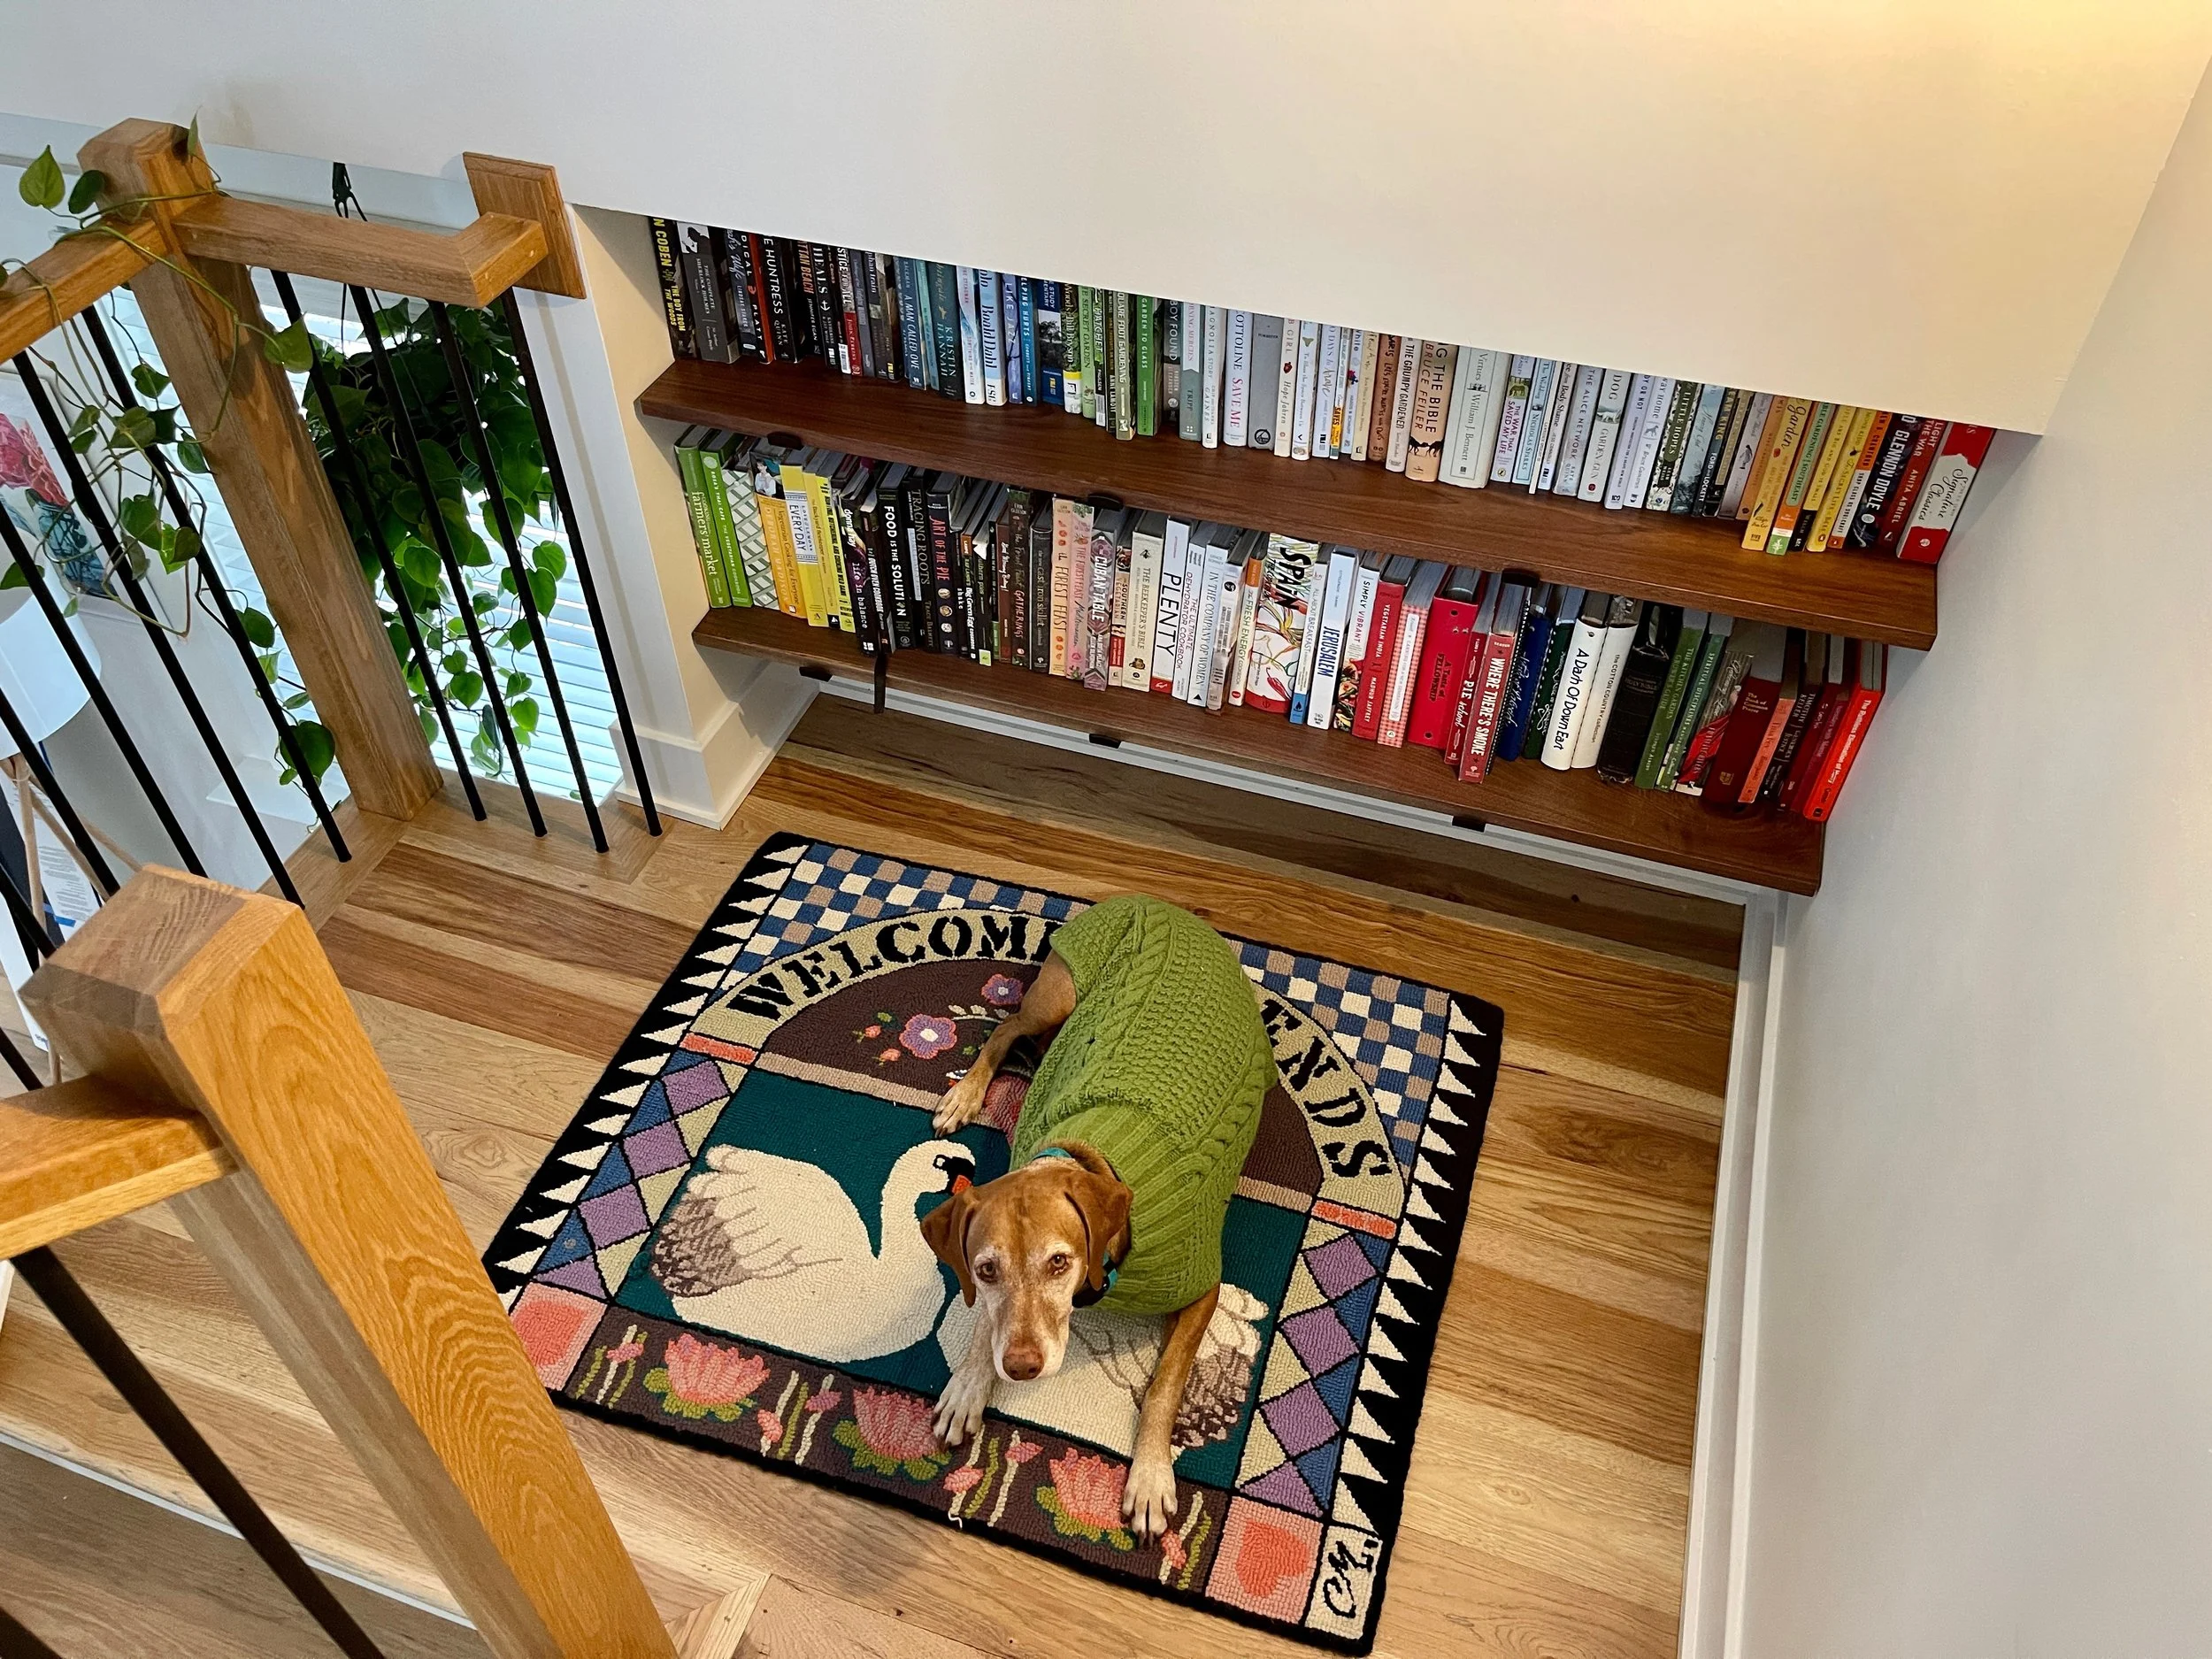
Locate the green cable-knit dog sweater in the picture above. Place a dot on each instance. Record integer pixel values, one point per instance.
(1162, 1068)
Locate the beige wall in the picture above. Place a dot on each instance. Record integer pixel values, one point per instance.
(1984, 1404)
(1891, 202)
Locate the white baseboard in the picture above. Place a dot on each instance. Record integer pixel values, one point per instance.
(706, 778)
(1720, 1469)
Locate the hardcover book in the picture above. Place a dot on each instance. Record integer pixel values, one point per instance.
(1636, 703)
(1958, 459)
(1425, 432)
(1359, 634)
(1279, 623)
(1339, 586)
(1267, 352)
(1405, 661)
(1449, 644)
(1620, 638)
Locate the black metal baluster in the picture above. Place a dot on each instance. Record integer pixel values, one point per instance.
(66, 1301)
(40, 938)
(212, 574)
(462, 597)
(365, 504)
(495, 493)
(15, 1641)
(35, 577)
(89, 504)
(576, 557)
(49, 786)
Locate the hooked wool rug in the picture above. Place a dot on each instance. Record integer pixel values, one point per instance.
(723, 1245)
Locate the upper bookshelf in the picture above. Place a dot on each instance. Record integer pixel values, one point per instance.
(1651, 556)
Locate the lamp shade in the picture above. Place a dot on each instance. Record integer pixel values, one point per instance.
(35, 671)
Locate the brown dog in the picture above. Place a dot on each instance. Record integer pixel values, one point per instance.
(1171, 1085)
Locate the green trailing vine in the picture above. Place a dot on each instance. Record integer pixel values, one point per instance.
(461, 498)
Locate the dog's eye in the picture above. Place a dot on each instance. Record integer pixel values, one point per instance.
(988, 1271)
(1059, 1264)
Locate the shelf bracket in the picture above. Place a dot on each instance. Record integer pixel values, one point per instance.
(1105, 739)
(814, 671)
(1469, 821)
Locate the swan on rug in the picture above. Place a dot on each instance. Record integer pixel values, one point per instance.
(771, 1249)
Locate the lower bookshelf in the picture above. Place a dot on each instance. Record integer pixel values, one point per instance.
(1572, 806)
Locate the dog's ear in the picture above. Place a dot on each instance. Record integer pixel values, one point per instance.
(1103, 1203)
(945, 1230)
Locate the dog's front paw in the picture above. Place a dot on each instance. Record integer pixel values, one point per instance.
(963, 1104)
(1147, 1497)
(960, 1408)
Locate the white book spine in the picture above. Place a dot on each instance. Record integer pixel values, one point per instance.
(1302, 407)
(1702, 438)
(971, 337)
(1626, 441)
(1341, 399)
(1557, 414)
(1071, 374)
(1647, 441)
(1364, 401)
(1575, 677)
(1146, 553)
(1515, 394)
(1328, 654)
(1533, 422)
(1170, 631)
(1286, 384)
(1325, 359)
(1480, 380)
(1755, 425)
(1605, 683)
(1581, 415)
(1238, 603)
(1455, 415)
(1401, 404)
(1205, 618)
(986, 303)
(1605, 433)
(1236, 398)
(1210, 380)
(1358, 630)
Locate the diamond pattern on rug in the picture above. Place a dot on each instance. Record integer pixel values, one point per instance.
(799, 1036)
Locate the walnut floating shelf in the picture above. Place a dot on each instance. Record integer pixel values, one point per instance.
(1679, 561)
(1572, 806)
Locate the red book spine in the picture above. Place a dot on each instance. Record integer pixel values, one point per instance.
(1756, 775)
(1812, 754)
(1858, 715)
(1447, 648)
(1405, 669)
(1963, 450)
(1925, 444)
(759, 286)
(1482, 726)
(1374, 665)
(1747, 729)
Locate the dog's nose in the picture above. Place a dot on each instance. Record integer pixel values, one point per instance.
(1024, 1364)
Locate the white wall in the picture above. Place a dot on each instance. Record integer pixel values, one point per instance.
(1983, 1402)
(1891, 201)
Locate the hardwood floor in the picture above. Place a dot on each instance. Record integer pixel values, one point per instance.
(1550, 1493)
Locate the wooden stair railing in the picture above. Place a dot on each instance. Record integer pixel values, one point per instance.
(186, 251)
(228, 1073)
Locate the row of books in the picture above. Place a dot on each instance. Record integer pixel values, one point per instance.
(1799, 474)
(1485, 667)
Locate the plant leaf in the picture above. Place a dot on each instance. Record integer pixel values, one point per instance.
(464, 688)
(40, 185)
(139, 517)
(150, 381)
(132, 429)
(85, 191)
(517, 684)
(522, 713)
(544, 590)
(290, 348)
(259, 631)
(315, 747)
(190, 456)
(551, 558)
(13, 577)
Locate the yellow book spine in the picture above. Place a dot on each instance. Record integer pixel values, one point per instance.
(837, 598)
(1823, 475)
(1775, 469)
(806, 546)
(1840, 482)
(783, 559)
(1796, 494)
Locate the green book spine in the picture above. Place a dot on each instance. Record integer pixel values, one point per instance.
(1700, 687)
(1687, 648)
(724, 532)
(1124, 369)
(1148, 367)
(703, 527)
(1547, 684)
(1086, 330)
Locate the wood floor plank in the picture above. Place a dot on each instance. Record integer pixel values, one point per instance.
(496, 973)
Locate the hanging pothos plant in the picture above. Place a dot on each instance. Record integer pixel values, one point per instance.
(460, 497)
(117, 440)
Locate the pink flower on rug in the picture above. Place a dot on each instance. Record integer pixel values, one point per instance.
(896, 1425)
(1021, 1451)
(1003, 990)
(1089, 1489)
(962, 1478)
(1173, 1552)
(825, 1400)
(928, 1035)
(622, 1351)
(770, 1425)
(696, 1379)
(24, 465)
(887, 1057)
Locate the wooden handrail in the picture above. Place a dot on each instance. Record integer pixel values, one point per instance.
(86, 1151)
(68, 277)
(473, 265)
